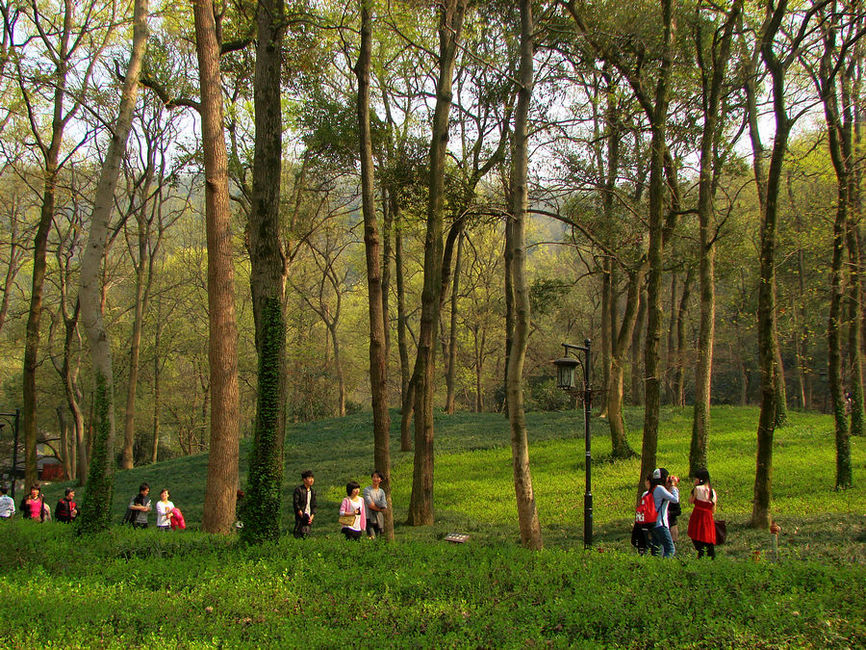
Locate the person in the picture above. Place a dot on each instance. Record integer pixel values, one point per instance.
(33, 505)
(304, 505)
(375, 503)
(663, 497)
(140, 506)
(353, 506)
(702, 527)
(640, 534)
(164, 510)
(7, 503)
(674, 512)
(67, 510)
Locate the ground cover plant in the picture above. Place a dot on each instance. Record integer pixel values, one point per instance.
(142, 588)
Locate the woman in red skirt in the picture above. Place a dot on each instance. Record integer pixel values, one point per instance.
(702, 528)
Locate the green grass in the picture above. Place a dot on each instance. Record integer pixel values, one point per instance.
(148, 589)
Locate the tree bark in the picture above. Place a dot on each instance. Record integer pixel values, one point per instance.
(267, 283)
(376, 299)
(222, 473)
(839, 142)
(527, 513)
(421, 500)
(712, 74)
(451, 376)
(619, 352)
(407, 395)
(767, 287)
(96, 507)
(141, 293)
(655, 316)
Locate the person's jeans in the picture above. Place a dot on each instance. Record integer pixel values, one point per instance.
(663, 541)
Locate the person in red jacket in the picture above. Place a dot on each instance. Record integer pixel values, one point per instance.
(67, 510)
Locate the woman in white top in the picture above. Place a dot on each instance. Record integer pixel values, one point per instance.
(353, 506)
(164, 508)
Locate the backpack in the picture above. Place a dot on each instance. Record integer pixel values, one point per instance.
(129, 516)
(646, 509)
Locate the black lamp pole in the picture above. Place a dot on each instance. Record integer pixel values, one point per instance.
(587, 406)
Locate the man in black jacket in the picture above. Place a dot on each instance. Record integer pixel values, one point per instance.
(304, 505)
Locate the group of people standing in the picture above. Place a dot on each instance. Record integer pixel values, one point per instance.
(358, 514)
(168, 517)
(660, 532)
(33, 505)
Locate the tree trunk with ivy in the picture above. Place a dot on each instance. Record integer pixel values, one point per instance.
(267, 284)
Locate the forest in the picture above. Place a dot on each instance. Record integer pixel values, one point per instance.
(223, 216)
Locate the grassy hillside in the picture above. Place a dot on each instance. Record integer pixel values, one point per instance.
(474, 490)
(132, 588)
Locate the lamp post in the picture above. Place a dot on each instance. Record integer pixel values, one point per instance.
(13, 419)
(565, 368)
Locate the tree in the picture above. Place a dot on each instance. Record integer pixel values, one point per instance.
(375, 294)
(267, 282)
(834, 81)
(527, 513)
(713, 61)
(655, 106)
(421, 503)
(65, 44)
(222, 473)
(96, 507)
(769, 186)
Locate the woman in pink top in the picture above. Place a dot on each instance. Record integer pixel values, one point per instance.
(33, 505)
(353, 505)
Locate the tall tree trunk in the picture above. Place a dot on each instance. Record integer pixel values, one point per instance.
(636, 392)
(407, 395)
(608, 307)
(779, 382)
(267, 283)
(421, 500)
(855, 309)
(682, 311)
(66, 449)
(670, 352)
(509, 305)
(713, 74)
(387, 254)
(34, 317)
(376, 299)
(620, 348)
(527, 513)
(801, 331)
(658, 118)
(222, 472)
(96, 507)
(157, 389)
(767, 287)
(839, 142)
(126, 461)
(451, 377)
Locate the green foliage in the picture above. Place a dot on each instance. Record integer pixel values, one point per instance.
(96, 504)
(133, 588)
(261, 508)
(147, 589)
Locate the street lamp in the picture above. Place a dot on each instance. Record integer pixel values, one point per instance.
(565, 371)
(13, 419)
